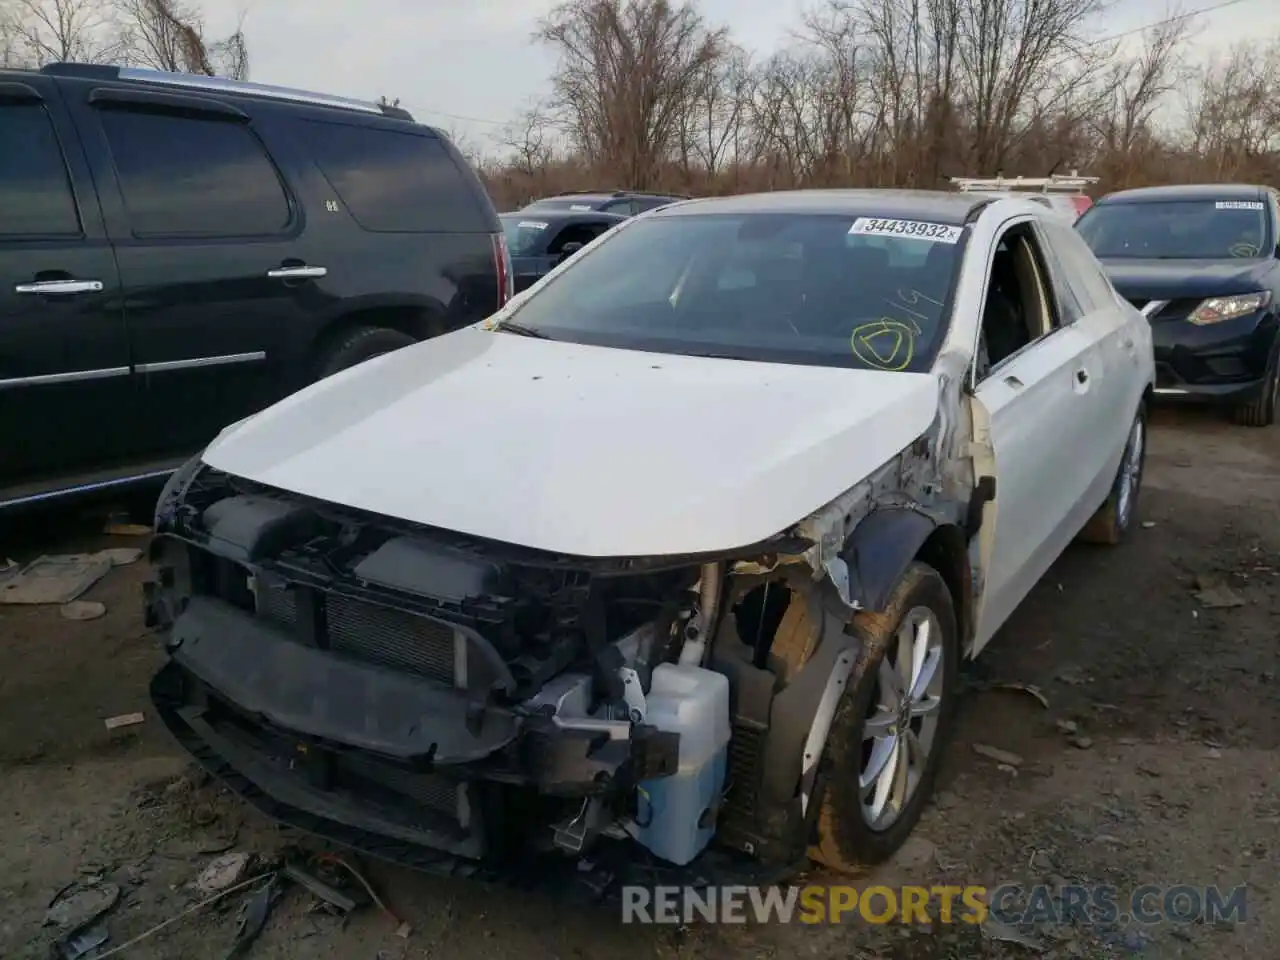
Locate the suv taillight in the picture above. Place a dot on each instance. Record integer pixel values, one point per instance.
(502, 263)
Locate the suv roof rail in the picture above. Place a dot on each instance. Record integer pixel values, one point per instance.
(1055, 183)
(192, 81)
(615, 192)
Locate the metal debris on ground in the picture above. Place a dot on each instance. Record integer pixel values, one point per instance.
(82, 610)
(325, 892)
(1214, 594)
(995, 930)
(78, 944)
(54, 579)
(75, 907)
(253, 917)
(1029, 688)
(124, 720)
(223, 872)
(1005, 757)
(127, 530)
(121, 556)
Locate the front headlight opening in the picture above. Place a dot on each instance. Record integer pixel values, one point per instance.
(1217, 309)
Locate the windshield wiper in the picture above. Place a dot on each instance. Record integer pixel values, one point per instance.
(521, 330)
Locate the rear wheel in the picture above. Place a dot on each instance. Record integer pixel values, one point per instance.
(1262, 411)
(886, 741)
(1114, 519)
(359, 345)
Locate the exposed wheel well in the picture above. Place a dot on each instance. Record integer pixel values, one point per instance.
(946, 551)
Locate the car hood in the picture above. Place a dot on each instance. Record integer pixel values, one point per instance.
(1183, 279)
(582, 450)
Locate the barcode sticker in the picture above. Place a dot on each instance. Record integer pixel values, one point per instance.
(907, 229)
(1239, 205)
(579, 206)
(531, 225)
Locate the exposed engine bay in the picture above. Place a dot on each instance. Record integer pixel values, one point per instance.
(469, 706)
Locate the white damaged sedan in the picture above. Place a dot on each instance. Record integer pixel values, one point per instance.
(676, 556)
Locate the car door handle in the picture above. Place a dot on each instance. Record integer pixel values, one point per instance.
(46, 287)
(298, 273)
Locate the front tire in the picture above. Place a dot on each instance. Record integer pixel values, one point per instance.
(886, 741)
(1114, 518)
(1261, 412)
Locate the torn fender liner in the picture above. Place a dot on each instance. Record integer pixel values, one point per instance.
(314, 692)
(880, 548)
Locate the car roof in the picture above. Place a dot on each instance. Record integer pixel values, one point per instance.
(1186, 191)
(563, 216)
(939, 206)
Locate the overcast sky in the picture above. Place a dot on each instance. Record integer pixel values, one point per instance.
(470, 66)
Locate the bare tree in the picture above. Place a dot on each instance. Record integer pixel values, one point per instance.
(169, 35)
(528, 140)
(44, 31)
(627, 75)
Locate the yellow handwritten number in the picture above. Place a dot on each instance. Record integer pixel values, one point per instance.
(884, 344)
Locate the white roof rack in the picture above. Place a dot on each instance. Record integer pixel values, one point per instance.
(1056, 183)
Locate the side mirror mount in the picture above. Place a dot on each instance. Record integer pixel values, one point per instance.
(569, 249)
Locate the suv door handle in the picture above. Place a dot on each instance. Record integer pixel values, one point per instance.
(298, 273)
(45, 287)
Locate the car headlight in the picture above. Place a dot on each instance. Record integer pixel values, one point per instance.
(1217, 309)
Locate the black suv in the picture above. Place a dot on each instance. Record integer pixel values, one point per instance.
(1202, 261)
(177, 252)
(626, 202)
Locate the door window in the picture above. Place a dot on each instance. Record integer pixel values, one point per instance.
(35, 190)
(188, 177)
(392, 181)
(1019, 307)
(1084, 274)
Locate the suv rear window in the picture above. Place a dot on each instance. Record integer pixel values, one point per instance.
(392, 181)
(35, 196)
(186, 177)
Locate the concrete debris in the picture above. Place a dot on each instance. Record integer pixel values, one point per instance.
(76, 908)
(83, 610)
(1214, 594)
(54, 579)
(999, 756)
(223, 872)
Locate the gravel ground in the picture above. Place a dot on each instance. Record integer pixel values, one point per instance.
(1154, 762)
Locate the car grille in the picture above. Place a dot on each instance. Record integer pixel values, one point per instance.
(373, 633)
(359, 774)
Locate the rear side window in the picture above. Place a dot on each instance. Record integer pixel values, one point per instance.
(392, 181)
(35, 193)
(186, 177)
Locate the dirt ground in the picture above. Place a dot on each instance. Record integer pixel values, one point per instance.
(1168, 777)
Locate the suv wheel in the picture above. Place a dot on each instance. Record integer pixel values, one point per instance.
(358, 345)
(1262, 411)
(887, 738)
